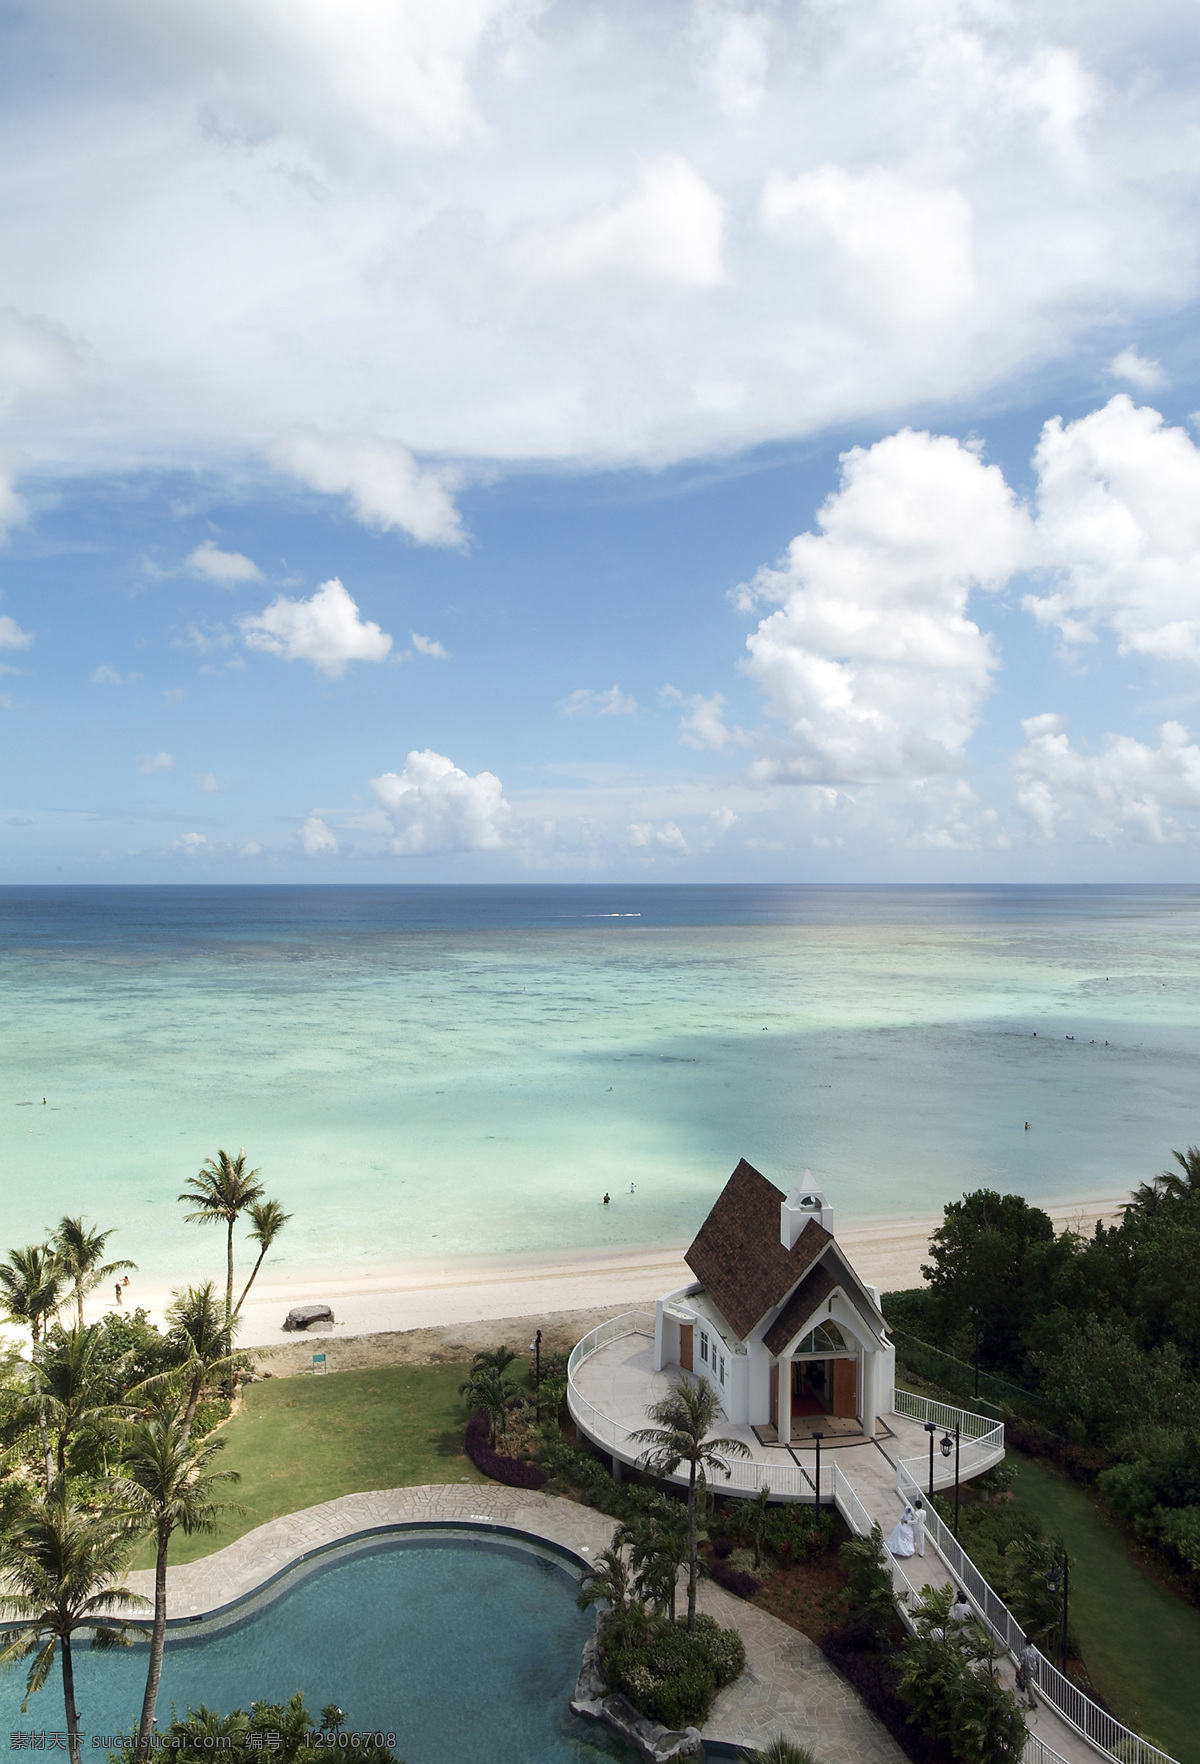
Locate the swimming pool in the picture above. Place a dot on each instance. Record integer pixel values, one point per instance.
(465, 1644)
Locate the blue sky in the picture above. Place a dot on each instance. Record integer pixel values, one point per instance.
(485, 439)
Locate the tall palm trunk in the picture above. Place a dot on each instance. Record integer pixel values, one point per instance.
(43, 1429)
(68, 1678)
(262, 1252)
(189, 1413)
(691, 1616)
(229, 1281)
(158, 1636)
(79, 1300)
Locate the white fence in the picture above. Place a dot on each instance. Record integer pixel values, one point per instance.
(980, 1442)
(1104, 1731)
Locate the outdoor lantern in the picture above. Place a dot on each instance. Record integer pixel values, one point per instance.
(1052, 1578)
(947, 1445)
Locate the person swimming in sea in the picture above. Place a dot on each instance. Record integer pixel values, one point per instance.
(606, 1197)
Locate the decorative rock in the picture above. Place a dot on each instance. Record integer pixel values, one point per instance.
(302, 1315)
(592, 1700)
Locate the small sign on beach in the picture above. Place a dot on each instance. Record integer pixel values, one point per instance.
(319, 1363)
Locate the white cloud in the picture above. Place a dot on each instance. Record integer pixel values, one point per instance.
(386, 487)
(503, 231)
(35, 358)
(148, 763)
(316, 838)
(645, 836)
(191, 844)
(612, 702)
(434, 807)
(106, 675)
(871, 662)
(1140, 370)
(325, 630)
(1123, 790)
(1119, 531)
(225, 568)
(11, 634)
(428, 646)
(703, 719)
(669, 230)
(207, 781)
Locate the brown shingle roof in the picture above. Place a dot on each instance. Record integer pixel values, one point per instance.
(737, 1255)
(812, 1291)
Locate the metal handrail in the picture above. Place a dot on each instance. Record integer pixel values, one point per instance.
(981, 1439)
(1077, 1709)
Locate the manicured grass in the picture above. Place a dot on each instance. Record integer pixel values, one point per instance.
(1140, 1642)
(302, 1440)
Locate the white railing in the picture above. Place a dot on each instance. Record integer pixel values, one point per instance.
(747, 1476)
(1038, 1752)
(980, 1441)
(1102, 1730)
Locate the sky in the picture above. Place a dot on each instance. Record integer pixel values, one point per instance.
(505, 439)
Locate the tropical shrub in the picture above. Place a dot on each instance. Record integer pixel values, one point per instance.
(284, 1732)
(668, 1674)
(734, 1580)
(513, 1471)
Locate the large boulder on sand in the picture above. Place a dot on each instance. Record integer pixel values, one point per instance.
(300, 1316)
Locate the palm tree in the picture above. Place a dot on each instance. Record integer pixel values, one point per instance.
(199, 1328)
(781, 1751)
(220, 1193)
(31, 1290)
(658, 1549)
(80, 1256)
(268, 1220)
(61, 1567)
(69, 1388)
(1178, 1187)
(487, 1389)
(607, 1579)
(167, 1486)
(684, 1419)
(31, 1287)
(498, 1359)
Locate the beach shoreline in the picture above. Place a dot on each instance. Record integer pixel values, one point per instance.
(887, 1252)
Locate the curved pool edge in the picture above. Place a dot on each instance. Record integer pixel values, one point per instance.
(212, 1585)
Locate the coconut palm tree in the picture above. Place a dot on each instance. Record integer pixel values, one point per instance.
(684, 1420)
(31, 1287)
(80, 1254)
(69, 1387)
(61, 1569)
(1177, 1186)
(221, 1191)
(487, 1389)
(267, 1221)
(166, 1486)
(31, 1291)
(607, 1579)
(198, 1325)
(498, 1359)
(658, 1548)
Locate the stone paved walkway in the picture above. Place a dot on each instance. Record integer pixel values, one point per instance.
(788, 1687)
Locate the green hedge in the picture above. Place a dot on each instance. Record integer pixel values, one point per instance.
(666, 1673)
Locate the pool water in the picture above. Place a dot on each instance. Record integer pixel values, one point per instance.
(466, 1647)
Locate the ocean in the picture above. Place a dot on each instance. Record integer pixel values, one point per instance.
(428, 1073)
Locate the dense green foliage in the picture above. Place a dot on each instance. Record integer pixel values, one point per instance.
(1105, 1328)
(283, 1732)
(667, 1673)
(948, 1679)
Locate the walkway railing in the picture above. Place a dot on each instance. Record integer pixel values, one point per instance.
(980, 1441)
(1103, 1730)
(747, 1476)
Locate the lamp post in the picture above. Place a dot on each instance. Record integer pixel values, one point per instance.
(947, 1447)
(535, 1347)
(975, 1321)
(931, 1429)
(1053, 1581)
(818, 1436)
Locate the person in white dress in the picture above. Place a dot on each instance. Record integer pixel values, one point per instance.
(901, 1541)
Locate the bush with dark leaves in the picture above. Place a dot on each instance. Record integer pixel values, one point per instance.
(513, 1471)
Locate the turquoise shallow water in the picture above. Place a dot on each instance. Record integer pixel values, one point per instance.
(428, 1073)
(463, 1650)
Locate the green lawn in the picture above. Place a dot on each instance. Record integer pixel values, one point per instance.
(1140, 1641)
(302, 1440)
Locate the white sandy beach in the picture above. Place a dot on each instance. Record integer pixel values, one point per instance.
(886, 1252)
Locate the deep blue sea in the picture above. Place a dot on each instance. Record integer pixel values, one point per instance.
(432, 1072)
